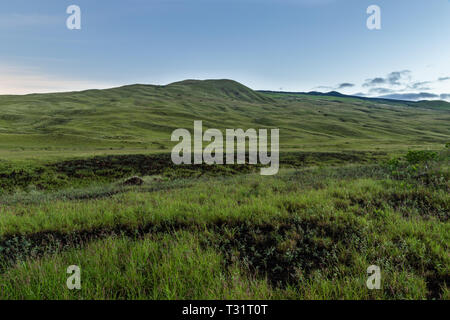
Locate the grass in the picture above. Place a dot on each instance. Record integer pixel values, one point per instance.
(140, 119)
(157, 267)
(83, 172)
(361, 183)
(308, 233)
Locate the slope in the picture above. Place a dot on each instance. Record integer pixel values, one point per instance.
(140, 118)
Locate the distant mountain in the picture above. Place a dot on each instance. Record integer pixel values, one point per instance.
(413, 96)
(392, 99)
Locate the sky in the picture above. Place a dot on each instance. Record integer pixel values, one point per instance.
(288, 45)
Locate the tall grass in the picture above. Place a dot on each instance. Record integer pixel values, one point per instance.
(307, 233)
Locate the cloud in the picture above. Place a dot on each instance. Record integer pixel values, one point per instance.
(380, 90)
(374, 82)
(345, 85)
(420, 85)
(326, 88)
(445, 96)
(444, 79)
(411, 96)
(395, 78)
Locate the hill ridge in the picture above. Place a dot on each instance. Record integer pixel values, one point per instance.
(437, 104)
(235, 90)
(136, 118)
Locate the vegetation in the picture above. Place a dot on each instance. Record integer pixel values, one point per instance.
(361, 183)
(139, 119)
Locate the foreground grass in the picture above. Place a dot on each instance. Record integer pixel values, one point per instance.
(177, 266)
(307, 234)
(166, 266)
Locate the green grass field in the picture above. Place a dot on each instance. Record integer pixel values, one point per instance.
(362, 182)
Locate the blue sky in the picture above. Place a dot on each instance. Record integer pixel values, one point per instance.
(290, 45)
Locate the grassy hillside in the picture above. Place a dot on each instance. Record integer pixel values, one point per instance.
(140, 119)
(348, 195)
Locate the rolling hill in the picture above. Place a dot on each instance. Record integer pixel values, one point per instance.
(140, 118)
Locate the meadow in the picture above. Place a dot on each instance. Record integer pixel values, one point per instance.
(362, 182)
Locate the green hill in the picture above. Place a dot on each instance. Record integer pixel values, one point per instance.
(225, 89)
(140, 118)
